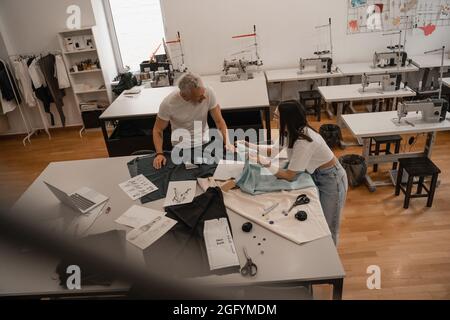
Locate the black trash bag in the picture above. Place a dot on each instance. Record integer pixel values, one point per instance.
(356, 168)
(331, 133)
(126, 82)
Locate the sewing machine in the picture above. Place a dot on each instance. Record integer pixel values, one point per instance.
(321, 65)
(433, 110)
(388, 82)
(237, 69)
(389, 59)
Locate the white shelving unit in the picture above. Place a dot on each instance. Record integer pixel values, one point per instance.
(88, 85)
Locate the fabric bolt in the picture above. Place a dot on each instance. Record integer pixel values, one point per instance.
(47, 65)
(252, 207)
(257, 180)
(24, 81)
(181, 252)
(162, 177)
(333, 185)
(61, 73)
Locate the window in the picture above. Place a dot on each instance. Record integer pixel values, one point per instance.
(137, 30)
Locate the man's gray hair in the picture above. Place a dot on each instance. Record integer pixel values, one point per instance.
(189, 81)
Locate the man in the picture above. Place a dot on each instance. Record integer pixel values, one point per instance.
(191, 103)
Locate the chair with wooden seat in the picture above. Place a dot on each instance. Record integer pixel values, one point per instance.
(387, 141)
(316, 97)
(417, 168)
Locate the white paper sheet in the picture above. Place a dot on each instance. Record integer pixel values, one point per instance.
(146, 234)
(180, 192)
(137, 216)
(227, 169)
(80, 224)
(138, 187)
(219, 244)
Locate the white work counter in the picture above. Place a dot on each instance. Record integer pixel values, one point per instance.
(359, 68)
(285, 75)
(430, 60)
(368, 125)
(353, 92)
(446, 82)
(231, 96)
(27, 274)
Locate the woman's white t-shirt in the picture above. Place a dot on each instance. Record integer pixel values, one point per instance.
(308, 156)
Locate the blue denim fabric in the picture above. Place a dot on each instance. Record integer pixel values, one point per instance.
(333, 185)
(254, 181)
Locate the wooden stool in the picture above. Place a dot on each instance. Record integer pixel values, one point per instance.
(316, 97)
(421, 168)
(387, 140)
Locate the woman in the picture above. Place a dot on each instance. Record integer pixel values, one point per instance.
(307, 151)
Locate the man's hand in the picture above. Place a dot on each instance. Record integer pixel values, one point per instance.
(159, 162)
(230, 148)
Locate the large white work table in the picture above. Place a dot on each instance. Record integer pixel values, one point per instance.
(427, 62)
(231, 96)
(25, 274)
(368, 125)
(292, 74)
(359, 68)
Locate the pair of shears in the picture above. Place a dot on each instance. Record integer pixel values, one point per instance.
(301, 199)
(249, 269)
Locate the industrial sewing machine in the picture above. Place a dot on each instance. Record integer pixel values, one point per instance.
(388, 82)
(433, 110)
(238, 69)
(389, 59)
(320, 65)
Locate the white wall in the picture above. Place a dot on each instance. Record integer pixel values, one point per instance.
(32, 26)
(285, 27)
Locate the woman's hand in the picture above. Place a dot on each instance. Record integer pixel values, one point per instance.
(159, 161)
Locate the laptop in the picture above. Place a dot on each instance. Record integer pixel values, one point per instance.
(82, 200)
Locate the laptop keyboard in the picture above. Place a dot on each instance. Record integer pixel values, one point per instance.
(81, 202)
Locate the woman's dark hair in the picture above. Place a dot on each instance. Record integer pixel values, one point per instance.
(293, 122)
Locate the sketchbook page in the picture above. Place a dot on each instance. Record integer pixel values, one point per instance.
(180, 192)
(219, 244)
(138, 187)
(148, 233)
(228, 169)
(137, 216)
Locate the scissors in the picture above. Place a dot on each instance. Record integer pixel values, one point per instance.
(301, 199)
(249, 269)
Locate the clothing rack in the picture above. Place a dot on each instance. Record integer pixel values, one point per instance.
(26, 121)
(38, 102)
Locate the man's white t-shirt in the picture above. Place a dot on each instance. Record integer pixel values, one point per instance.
(308, 156)
(183, 114)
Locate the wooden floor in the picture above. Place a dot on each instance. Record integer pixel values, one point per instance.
(412, 247)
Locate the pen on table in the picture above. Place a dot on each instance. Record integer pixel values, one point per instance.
(266, 211)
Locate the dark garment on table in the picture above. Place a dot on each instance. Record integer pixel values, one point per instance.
(47, 66)
(43, 94)
(182, 251)
(9, 92)
(170, 172)
(112, 243)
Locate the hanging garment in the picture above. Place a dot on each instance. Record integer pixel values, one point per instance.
(47, 65)
(61, 73)
(256, 180)
(24, 81)
(7, 84)
(7, 106)
(162, 177)
(35, 73)
(39, 86)
(182, 251)
(252, 208)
